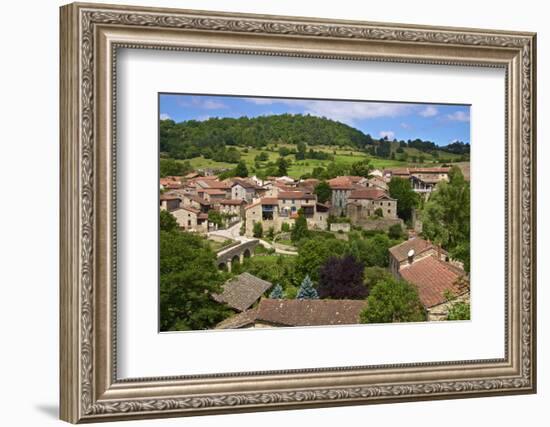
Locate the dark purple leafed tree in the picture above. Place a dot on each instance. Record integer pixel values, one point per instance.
(342, 278)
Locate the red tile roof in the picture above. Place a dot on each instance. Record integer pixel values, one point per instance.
(214, 192)
(231, 202)
(269, 201)
(190, 209)
(169, 197)
(245, 183)
(368, 194)
(397, 171)
(296, 195)
(432, 278)
(430, 170)
(400, 252)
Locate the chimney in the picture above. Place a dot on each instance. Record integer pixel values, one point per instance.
(410, 256)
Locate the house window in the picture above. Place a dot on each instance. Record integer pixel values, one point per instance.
(189, 223)
(389, 211)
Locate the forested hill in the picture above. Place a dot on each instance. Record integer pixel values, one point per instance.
(191, 138)
(213, 138)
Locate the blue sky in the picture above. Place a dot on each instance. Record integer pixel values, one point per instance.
(439, 123)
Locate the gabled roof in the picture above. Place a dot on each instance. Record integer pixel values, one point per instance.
(309, 312)
(190, 209)
(197, 199)
(294, 312)
(430, 170)
(397, 171)
(240, 320)
(296, 195)
(400, 252)
(235, 202)
(369, 194)
(433, 278)
(214, 192)
(269, 201)
(244, 183)
(169, 197)
(242, 291)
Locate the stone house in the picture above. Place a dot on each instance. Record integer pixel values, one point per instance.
(191, 219)
(196, 202)
(275, 211)
(212, 194)
(243, 189)
(169, 202)
(341, 187)
(411, 250)
(440, 282)
(440, 285)
(372, 199)
(233, 207)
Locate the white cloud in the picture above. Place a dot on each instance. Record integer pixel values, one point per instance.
(260, 101)
(165, 116)
(406, 126)
(459, 116)
(429, 111)
(213, 105)
(202, 102)
(387, 133)
(342, 111)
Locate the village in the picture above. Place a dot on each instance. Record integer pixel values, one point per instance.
(248, 220)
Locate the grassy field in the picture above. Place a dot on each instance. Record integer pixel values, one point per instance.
(343, 156)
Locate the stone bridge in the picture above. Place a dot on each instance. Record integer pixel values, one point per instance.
(235, 254)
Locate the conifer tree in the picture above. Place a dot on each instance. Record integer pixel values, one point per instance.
(277, 292)
(307, 291)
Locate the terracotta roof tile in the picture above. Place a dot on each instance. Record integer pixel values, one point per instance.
(432, 278)
(369, 194)
(300, 195)
(400, 252)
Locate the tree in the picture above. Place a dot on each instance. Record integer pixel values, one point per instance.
(446, 216)
(371, 251)
(167, 221)
(299, 231)
(241, 170)
(323, 192)
(373, 275)
(459, 311)
(307, 291)
(362, 168)
(342, 278)
(393, 300)
(171, 167)
(395, 232)
(407, 199)
(282, 166)
(378, 212)
(188, 278)
(300, 151)
(312, 254)
(277, 292)
(257, 230)
(215, 217)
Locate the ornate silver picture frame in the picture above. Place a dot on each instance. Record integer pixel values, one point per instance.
(91, 34)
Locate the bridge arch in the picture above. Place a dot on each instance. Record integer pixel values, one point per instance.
(236, 254)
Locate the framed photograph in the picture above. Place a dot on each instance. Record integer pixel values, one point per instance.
(265, 213)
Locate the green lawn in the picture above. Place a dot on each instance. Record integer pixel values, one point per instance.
(345, 156)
